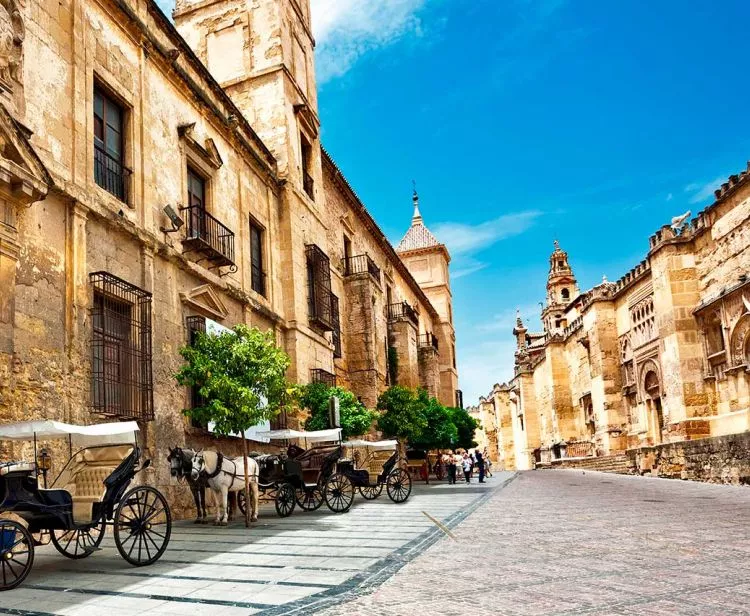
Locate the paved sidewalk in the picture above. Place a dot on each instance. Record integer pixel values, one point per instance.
(568, 542)
(279, 566)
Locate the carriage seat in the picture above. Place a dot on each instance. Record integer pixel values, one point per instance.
(85, 474)
(374, 465)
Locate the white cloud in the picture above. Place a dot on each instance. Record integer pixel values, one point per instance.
(462, 239)
(704, 192)
(347, 29)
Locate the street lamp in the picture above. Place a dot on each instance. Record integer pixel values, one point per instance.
(44, 463)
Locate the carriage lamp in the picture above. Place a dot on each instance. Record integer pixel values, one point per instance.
(44, 463)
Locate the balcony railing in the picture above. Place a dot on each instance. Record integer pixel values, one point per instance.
(258, 280)
(361, 264)
(318, 375)
(428, 341)
(308, 185)
(402, 310)
(205, 234)
(111, 174)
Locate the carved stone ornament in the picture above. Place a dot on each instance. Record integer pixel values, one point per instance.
(739, 340)
(12, 34)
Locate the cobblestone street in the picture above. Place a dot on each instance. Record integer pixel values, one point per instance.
(565, 542)
(544, 542)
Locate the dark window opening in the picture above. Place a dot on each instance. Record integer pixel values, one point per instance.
(195, 325)
(196, 190)
(122, 382)
(565, 294)
(336, 334)
(109, 160)
(308, 185)
(319, 288)
(257, 275)
(347, 255)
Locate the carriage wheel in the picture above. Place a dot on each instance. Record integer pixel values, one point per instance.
(339, 493)
(310, 499)
(284, 500)
(398, 485)
(440, 472)
(79, 542)
(371, 492)
(16, 553)
(143, 525)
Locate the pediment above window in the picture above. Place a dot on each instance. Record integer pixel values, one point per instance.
(207, 301)
(23, 176)
(204, 155)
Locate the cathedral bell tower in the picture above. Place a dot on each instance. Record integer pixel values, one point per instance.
(562, 288)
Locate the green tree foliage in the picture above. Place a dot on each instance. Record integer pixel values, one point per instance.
(239, 375)
(402, 413)
(465, 425)
(440, 431)
(356, 419)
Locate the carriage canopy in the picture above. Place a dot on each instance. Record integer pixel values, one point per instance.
(115, 433)
(374, 445)
(311, 437)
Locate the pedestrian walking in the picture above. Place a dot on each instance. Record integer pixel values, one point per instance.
(450, 463)
(487, 464)
(480, 465)
(467, 464)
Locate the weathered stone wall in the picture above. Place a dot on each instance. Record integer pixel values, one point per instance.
(721, 459)
(429, 370)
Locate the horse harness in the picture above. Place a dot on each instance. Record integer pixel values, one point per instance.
(220, 469)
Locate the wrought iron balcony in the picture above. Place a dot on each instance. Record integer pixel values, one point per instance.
(428, 341)
(111, 174)
(318, 375)
(308, 185)
(401, 311)
(206, 235)
(360, 264)
(258, 280)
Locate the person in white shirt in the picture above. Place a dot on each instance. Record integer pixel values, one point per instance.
(467, 464)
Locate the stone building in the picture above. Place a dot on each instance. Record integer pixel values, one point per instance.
(648, 373)
(161, 178)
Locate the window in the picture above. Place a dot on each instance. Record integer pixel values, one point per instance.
(257, 275)
(347, 255)
(336, 334)
(307, 180)
(196, 324)
(121, 348)
(319, 288)
(565, 294)
(109, 164)
(196, 190)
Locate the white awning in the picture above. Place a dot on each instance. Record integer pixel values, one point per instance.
(310, 437)
(82, 436)
(376, 445)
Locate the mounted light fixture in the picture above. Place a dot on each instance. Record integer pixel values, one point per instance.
(175, 219)
(44, 463)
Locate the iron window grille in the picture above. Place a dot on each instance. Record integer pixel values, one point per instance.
(401, 311)
(122, 382)
(318, 375)
(360, 264)
(319, 288)
(336, 336)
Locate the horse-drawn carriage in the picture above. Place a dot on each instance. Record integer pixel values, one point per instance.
(89, 494)
(370, 465)
(303, 476)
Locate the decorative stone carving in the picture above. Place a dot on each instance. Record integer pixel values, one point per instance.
(12, 34)
(739, 344)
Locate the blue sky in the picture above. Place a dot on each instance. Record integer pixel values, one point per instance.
(524, 120)
(521, 121)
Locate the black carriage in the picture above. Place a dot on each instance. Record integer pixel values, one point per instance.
(370, 465)
(304, 477)
(90, 494)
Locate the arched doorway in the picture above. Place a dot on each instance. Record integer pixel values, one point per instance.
(652, 389)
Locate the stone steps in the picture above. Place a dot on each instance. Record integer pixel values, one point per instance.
(606, 464)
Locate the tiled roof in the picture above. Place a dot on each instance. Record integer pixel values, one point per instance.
(418, 236)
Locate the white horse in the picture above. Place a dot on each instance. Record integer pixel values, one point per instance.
(226, 475)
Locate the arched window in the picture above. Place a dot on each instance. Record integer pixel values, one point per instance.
(565, 294)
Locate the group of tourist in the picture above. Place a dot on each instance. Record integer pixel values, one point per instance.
(468, 462)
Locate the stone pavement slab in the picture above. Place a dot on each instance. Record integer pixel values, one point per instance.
(279, 566)
(566, 542)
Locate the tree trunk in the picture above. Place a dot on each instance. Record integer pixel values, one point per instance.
(248, 504)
